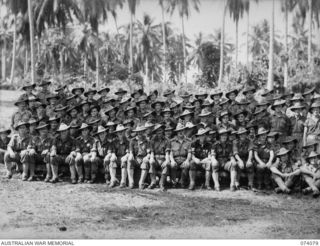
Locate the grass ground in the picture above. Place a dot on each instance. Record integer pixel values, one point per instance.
(40, 210)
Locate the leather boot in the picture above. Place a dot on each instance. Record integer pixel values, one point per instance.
(184, 175)
(49, 173)
(87, 172)
(162, 182)
(131, 178)
(124, 175)
(192, 176)
(73, 174)
(94, 170)
(153, 183)
(31, 170)
(79, 170)
(25, 168)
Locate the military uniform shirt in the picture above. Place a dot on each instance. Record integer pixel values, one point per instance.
(85, 146)
(64, 147)
(201, 150)
(180, 148)
(18, 143)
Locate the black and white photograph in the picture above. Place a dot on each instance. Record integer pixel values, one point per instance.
(159, 119)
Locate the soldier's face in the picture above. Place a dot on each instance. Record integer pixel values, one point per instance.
(90, 96)
(159, 132)
(216, 98)
(158, 107)
(168, 134)
(313, 160)
(54, 125)
(271, 139)
(22, 130)
(180, 134)
(197, 104)
(22, 105)
(167, 115)
(232, 96)
(130, 113)
(263, 137)
(241, 118)
(94, 112)
(249, 94)
(223, 138)
(3, 135)
(187, 118)
(102, 135)
(112, 113)
(225, 119)
(278, 108)
(142, 105)
(243, 136)
(64, 134)
(32, 128)
(120, 134)
(315, 111)
(85, 132)
(43, 131)
(73, 113)
(284, 158)
(78, 92)
(85, 107)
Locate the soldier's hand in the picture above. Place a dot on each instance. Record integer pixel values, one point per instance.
(53, 153)
(78, 156)
(241, 164)
(73, 154)
(44, 152)
(32, 151)
(12, 154)
(164, 164)
(174, 164)
(249, 164)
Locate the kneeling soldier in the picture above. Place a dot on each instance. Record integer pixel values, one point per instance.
(180, 156)
(120, 154)
(43, 144)
(86, 157)
(224, 158)
(201, 157)
(139, 155)
(62, 152)
(159, 158)
(4, 141)
(18, 151)
(284, 172)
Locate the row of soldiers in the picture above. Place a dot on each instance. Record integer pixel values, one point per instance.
(169, 140)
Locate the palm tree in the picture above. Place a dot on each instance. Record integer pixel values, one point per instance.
(236, 9)
(132, 8)
(32, 54)
(5, 38)
(271, 51)
(161, 2)
(184, 11)
(222, 44)
(287, 6)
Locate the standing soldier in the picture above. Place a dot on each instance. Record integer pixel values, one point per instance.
(62, 152)
(169, 94)
(311, 125)
(279, 121)
(28, 88)
(44, 90)
(120, 93)
(139, 155)
(248, 92)
(41, 112)
(86, 158)
(186, 98)
(157, 107)
(62, 94)
(233, 105)
(89, 94)
(23, 114)
(62, 114)
(180, 156)
(103, 92)
(52, 103)
(54, 123)
(297, 122)
(159, 158)
(18, 151)
(168, 118)
(243, 153)
(223, 158)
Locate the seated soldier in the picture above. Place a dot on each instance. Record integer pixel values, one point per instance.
(62, 152)
(139, 155)
(120, 154)
(159, 158)
(104, 148)
(243, 152)
(23, 114)
(223, 158)
(311, 174)
(19, 150)
(180, 156)
(201, 157)
(263, 155)
(86, 158)
(43, 143)
(4, 141)
(284, 172)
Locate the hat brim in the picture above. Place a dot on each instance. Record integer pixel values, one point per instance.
(8, 131)
(283, 153)
(139, 130)
(263, 133)
(204, 115)
(23, 124)
(63, 130)
(20, 101)
(74, 89)
(88, 92)
(42, 127)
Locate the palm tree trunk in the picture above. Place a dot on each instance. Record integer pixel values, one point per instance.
(3, 60)
(26, 65)
(61, 64)
(237, 40)
(13, 64)
(85, 66)
(271, 44)
(222, 45)
(131, 45)
(146, 69)
(184, 51)
(310, 32)
(285, 75)
(32, 54)
(164, 45)
(247, 41)
(97, 65)
(38, 48)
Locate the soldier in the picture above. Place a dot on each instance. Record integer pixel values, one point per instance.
(216, 96)
(264, 155)
(201, 95)
(243, 153)
(33, 123)
(4, 141)
(112, 112)
(63, 153)
(120, 93)
(28, 88)
(136, 95)
(167, 115)
(297, 121)
(139, 155)
(168, 132)
(130, 125)
(52, 101)
(62, 94)
(149, 130)
(103, 92)
(61, 112)
(273, 141)
(306, 150)
(190, 131)
(74, 114)
(311, 174)
(223, 158)
(19, 150)
(124, 104)
(41, 112)
(153, 96)
(94, 113)
(120, 156)
(43, 143)
(224, 121)
(44, 90)
(175, 107)
(130, 113)
(32, 100)
(159, 157)
(74, 129)
(169, 94)
(311, 125)
(86, 158)
(89, 94)
(248, 92)
(241, 117)
(104, 149)
(186, 116)
(180, 156)
(233, 106)
(284, 172)
(85, 108)
(54, 123)
(94, 124)
(206, 119)
(23, 114)
(279, 121)
(157, 107)
(186, 98)
(201, 158)
(290, 143)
